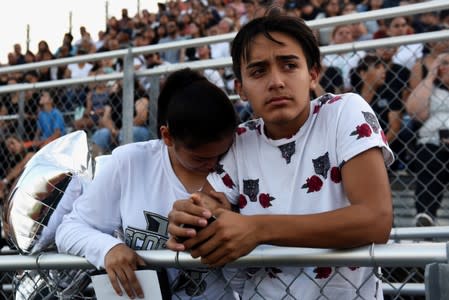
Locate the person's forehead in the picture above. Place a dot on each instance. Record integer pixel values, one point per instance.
(261, 47)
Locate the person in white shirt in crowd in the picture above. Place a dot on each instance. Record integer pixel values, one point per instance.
(406, 55)
(344, 62)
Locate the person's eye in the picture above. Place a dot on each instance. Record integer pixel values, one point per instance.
(290, 66)
(256, 72)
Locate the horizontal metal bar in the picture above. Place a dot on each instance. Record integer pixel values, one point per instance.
(390, 255)
(411, 289)
(404, 233)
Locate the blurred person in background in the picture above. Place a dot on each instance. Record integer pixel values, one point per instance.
(344, 62)
(406, 55)
(429, 104)
(369, 79)
(172, 56)
(50, 122)
(18, 156)
(330, 8)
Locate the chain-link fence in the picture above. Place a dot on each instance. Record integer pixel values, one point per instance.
(299, 274)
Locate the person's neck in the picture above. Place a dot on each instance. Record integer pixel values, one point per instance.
(277, 131)
(368, 92)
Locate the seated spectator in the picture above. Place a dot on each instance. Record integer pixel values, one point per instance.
(173, 55)
(330, 8)
(369, 80)
(104, 139)
(20, 58)
(431, 51)
(428, 104)
(18, 156)
(50, 122)
(406, 55)
(96, 101)
(344, 62)
(371, 25)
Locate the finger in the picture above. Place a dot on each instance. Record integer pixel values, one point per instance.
(180, 231)
(192, 205)
(134, 282)
(123, 278)
(173, 245)
(203, 243)
(177, 218)
(140, 261)
(114, 282)
(200, 207)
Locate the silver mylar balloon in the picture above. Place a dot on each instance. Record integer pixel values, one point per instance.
(39, 189)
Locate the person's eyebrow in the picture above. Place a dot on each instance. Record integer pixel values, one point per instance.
(279, 58)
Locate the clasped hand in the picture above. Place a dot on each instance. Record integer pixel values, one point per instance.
(225, 240)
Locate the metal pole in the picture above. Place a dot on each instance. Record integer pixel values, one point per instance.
(154, 93)
(128, 98)
(138, 7)
(70, 22)
(21, 112)
(106, 8)
(28, 37)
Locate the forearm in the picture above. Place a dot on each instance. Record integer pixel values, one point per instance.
(348, 227)
(417, 104)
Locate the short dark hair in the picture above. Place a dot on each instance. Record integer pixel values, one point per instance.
(275, 21)
(363, 65)
(195, 110)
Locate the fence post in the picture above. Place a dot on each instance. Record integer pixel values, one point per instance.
(436, 280)
(128, 98)
(21, 115)
(154, 94)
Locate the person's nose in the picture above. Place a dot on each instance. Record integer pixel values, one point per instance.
(276, 79)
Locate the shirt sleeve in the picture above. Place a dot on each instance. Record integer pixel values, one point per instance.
(358, 129)
(224, 179)
(87, 230)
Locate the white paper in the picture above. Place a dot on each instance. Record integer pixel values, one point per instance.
(148, 281)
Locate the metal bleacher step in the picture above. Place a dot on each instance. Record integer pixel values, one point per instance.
(403, 195)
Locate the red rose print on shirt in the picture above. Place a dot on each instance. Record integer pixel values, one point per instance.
(265, 200)
(361, 131)
(322, 272)
(242, 201)
(241, 130)
(313, 184)
(335, 99)
(353, 268)
(316, 109)
(336, 175)
(228, 181)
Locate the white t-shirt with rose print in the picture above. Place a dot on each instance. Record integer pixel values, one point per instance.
(301, 175)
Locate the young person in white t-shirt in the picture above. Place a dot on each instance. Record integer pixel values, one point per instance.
(304, 174)
(136, 188)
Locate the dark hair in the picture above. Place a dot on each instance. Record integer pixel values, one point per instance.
(274, 21)
(363, 65)
(195, 110)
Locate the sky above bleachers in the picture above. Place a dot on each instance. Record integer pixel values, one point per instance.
(49, 20)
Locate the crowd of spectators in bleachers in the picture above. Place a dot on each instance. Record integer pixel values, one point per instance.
(385, 77)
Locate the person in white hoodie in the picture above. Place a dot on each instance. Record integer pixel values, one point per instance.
(135, 189)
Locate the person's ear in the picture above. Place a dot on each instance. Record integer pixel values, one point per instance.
(239, 89)
(165, 136)
(314, 77)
